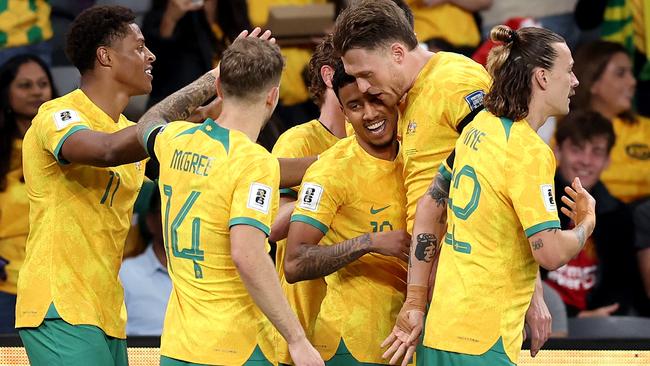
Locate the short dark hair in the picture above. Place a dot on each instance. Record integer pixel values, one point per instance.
(511, 65)
(369, 24)
(323, 56)
(581, 126)
(249, 66)
(341, 79)
(95, 27)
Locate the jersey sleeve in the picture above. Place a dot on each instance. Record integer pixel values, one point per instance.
(530, 169)
(255, 196)
(55, 125)
(290, 145)
(466, 92)
(320, 197)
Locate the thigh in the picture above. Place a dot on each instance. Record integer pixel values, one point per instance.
(56, 342)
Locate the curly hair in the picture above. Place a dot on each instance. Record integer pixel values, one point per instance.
(511, 66)
(323, 56)
(95, 27)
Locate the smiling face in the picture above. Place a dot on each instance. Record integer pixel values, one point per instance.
(133, 61)
(614, 90)
(29, 90)
(561, 82)
(585, 160)
(374, 123)
(377, 73)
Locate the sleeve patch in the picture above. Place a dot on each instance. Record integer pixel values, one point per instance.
(475, 99)
(310, 196)
(548, 197)
(259, 197)
(64, 118)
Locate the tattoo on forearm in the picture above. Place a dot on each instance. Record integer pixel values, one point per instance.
(537, 244)
(321, 260)
(425, 247)
(581, 235)
(179, 105)
(439, 190)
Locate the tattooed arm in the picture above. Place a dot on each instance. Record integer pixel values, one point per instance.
(178, 106)
(306, 260)
(553, 248)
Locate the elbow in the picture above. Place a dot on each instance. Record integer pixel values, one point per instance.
(291, 272)
(549, 262)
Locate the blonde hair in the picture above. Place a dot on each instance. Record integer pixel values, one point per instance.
(511, 64)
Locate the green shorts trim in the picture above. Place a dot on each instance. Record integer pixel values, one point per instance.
(495, 356)
(257, 358)
(58, 343)
(343, 357)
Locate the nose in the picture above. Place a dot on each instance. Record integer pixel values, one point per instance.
(574, 80)
(369, 112)
(363, 85)
(150, 56)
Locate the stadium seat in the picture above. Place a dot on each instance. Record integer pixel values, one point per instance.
(609, 327)
(66, 78)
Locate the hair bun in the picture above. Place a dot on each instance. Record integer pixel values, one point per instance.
(503, 33)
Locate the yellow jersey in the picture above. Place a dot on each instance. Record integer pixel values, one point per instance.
(79, 217)
(345, 194)
(24, 22)
(502, 192)
(14, 219)
(628, 175)
(448, 89)
(447, 21)
(307, 139)
(211, 179)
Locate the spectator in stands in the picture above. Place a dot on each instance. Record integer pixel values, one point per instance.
(25, 84)
(25, 28)
(448, 25)
(607, 86)
(602, 279)
(188, 40)
(145, 280)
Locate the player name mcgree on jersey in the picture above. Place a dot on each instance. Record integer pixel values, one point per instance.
(187, 161)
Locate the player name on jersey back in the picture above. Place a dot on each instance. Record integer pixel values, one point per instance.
(191, 162)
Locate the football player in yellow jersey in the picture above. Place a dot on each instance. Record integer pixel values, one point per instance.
(503, 215)
(307, 139)
(219, 198)
(349, 227)
(83, 168)
(440, 94)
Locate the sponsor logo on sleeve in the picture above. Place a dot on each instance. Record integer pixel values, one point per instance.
(259, 197)
(475, 99)
(64, 118)
(548, 197)
(310, 196)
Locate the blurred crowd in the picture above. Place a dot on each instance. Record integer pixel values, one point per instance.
(604, 140)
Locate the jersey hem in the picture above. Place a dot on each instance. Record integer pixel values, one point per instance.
(553, 224)
(310, 221)
(57, 150)
(250, 222)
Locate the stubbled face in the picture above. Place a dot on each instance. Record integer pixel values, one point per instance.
(561, 82)
(374, 123)
(614, 90)
(586, 161)
(133, 62)
(29, 90)
(377, 74)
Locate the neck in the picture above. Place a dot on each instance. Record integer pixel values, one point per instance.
(245, 117)
(332, 117)
(537, 113)
(105, 93)
(419, 59)
(23, 124)
(603, 110)
(388, 152)
(159, 251)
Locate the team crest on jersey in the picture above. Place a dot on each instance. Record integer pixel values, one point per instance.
(410, 128)
(259, 197)
(475, 99)
(64, 118)
(548, 197)
(310, 196)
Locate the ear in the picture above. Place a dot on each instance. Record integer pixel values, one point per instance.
(272, 96)
(103, 56)
(219, 88)
(397, 52)
(540, 76)
(327, 74)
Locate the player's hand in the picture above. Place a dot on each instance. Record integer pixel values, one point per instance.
(581, 206)
(404, 337)
(599, 312)
(3, 272)
(539, 320)
(304, 354)
(257, 33)
(211, 110)
(393, 243)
